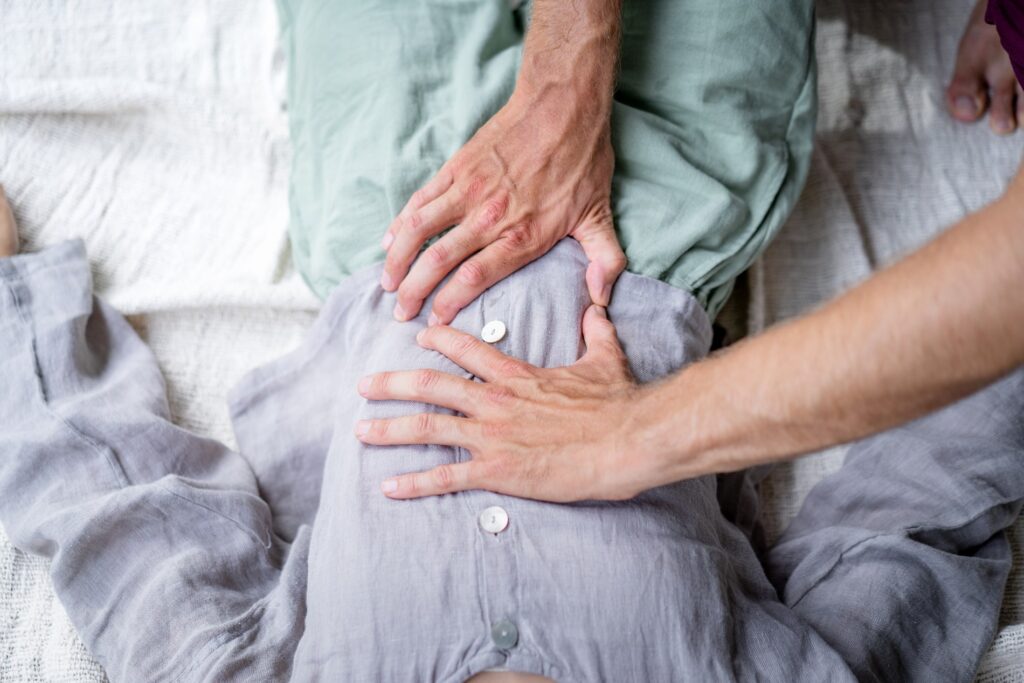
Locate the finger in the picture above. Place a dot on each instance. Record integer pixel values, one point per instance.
(428, 386)
(434, 188)
(444, 479)
(607, 261)
(965, 95)
(425, 428)
(509, 253)
(1002, 114)
(420, 226)
(468, 352)
(603, 348)
(1020, 105)
(434, 264)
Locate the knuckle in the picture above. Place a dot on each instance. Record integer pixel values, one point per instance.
(437, 255)
(517, 238)
(413, 222)
(493, 211)
(423, 425)
(443, 308)
(472, 274)
(443, 477)
(380, 383)
(426, 380)
(510, 367)
(462, 345)
(414, 484)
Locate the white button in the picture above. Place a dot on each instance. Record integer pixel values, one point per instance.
(493, 331)
(494, 520)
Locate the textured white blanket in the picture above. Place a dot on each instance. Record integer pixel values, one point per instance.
(156, 130)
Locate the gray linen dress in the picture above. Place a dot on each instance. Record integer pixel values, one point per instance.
(179, 559)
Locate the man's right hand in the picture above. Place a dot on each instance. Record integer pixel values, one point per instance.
(538, 171)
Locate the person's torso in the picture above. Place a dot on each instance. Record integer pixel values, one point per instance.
(655, 588)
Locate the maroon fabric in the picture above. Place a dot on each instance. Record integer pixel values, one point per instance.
(1008, 18)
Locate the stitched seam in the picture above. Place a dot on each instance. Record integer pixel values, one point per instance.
(248, 531)
(836, 563)
(99, 449)
(243, 625)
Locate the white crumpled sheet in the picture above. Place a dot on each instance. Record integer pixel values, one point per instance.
(156, 131)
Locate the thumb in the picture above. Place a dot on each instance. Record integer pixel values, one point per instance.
(603, 348)
(606, 258)
(966, 94)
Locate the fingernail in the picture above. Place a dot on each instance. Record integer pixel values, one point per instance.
(386, 242)
(389, 486)
(386, 281)
(600, 312)
(966, 106)
(400, 314)
(432, 320)
(362, 427)
(364, 385)
(606, 295)
(1002, 126)
(420, 336)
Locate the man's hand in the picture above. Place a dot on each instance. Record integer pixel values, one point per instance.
(558, 435)
(983, 79)
(538, 171)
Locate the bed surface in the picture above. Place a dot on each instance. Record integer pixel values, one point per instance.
(157, 131)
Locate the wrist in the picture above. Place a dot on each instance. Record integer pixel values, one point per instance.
(657, 441)
(683, 426)
(571, 55)
(562, 110)
(627, 469)
(574, 72)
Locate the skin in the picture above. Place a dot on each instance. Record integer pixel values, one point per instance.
(919, 335)
(983, 79)
(537, 171)
(8, 228)
(507, 677)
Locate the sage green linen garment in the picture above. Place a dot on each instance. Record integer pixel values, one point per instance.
(712, 124)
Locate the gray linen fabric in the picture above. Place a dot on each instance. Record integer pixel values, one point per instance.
(178, 559)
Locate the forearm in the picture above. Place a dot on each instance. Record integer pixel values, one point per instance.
(570, 54)
(921, 334)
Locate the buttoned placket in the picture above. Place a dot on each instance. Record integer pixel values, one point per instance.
(495, 520)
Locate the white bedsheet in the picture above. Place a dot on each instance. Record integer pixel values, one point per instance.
(156, 130)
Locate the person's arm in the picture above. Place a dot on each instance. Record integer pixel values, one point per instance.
(538, 171)
(921, 334)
